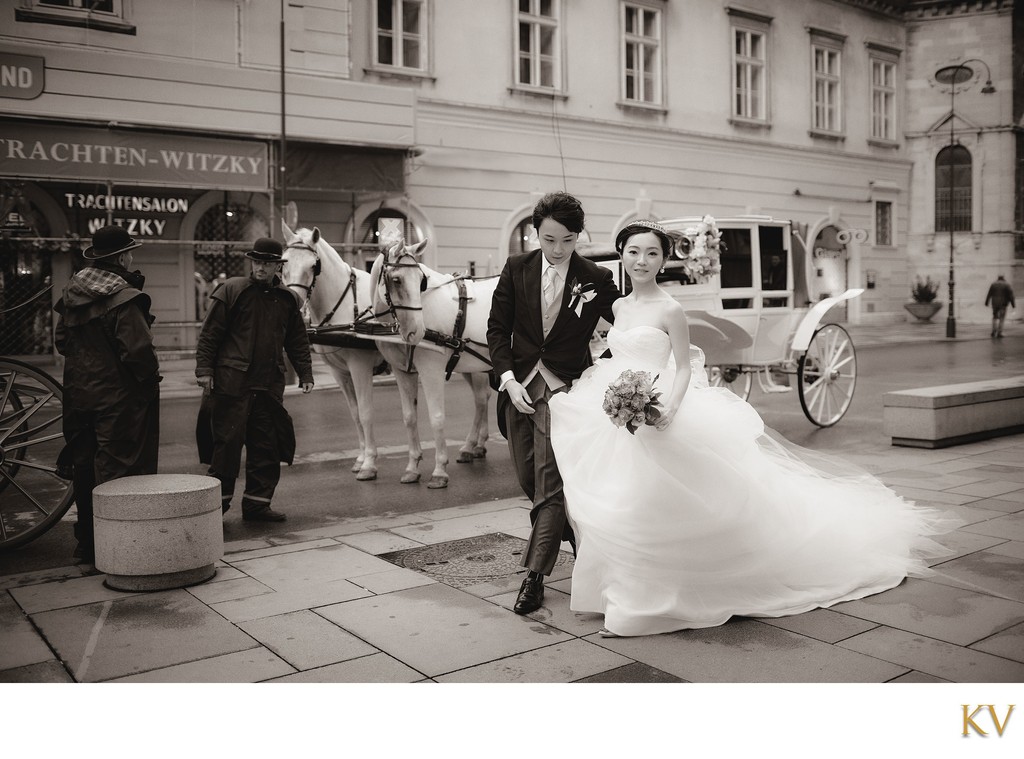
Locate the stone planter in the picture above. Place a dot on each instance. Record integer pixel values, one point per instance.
(923, 311)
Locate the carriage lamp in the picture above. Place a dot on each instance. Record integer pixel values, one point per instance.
(952, 76)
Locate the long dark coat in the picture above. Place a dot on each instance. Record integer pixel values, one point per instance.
(228, 350)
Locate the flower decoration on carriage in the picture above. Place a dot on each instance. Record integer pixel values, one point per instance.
(700, 248)
(580, 294)
(631, 402)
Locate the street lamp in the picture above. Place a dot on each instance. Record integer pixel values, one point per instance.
(952, 76)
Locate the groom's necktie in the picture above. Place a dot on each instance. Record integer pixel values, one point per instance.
(550, 285)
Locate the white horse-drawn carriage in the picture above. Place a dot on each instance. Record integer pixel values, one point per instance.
(750, 318)
(754, 317)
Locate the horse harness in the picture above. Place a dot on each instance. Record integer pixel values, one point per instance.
(455, 342)
(351, 286)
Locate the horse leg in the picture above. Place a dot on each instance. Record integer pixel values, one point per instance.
(361, 368)
(476, 440)
(432, 379)
(344, 379)
(481, 397)
(408, 389)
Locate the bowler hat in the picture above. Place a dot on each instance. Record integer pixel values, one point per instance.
(266, 250)
(109, 241)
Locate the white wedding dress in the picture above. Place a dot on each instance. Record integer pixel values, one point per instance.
(713, 517)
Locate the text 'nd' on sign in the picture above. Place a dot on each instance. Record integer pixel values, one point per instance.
(21, 76)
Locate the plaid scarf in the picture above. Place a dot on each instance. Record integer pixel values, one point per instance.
(90, 285)
(99, 282)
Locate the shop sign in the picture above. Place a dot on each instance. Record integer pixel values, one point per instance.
(21, 76)
(126, 157)
(154, 213)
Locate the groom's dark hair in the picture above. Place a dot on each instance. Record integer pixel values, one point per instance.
(563, 208)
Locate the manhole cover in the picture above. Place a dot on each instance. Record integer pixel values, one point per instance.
(469, 561)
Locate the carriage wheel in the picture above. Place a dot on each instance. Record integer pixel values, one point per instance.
(826, 375)
(32, 497)
(732, 378)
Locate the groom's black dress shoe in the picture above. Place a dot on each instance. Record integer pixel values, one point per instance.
(531, 595)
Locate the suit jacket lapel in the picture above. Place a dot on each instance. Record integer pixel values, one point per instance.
(531, 284)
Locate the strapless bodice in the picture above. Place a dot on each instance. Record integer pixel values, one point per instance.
(643, 347)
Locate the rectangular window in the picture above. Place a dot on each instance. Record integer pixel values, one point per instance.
(883, 223)
(641, 39)
(953, 196)
(101, 15)
(83, 6)
(827, 89)
(883, 100)
(537, 44)
(400, 36)
(749, 74)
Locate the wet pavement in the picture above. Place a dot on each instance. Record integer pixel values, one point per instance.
(428, 596)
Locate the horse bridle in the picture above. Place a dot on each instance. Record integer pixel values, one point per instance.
(301, 245)
(397, 264)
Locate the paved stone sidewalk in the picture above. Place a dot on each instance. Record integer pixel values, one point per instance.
(428, 596)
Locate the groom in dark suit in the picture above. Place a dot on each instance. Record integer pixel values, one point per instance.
(543, 314)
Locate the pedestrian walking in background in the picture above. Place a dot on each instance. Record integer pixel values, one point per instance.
(251, 323)
(1000, 295)
(111, 413)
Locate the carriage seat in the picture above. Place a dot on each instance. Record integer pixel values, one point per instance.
(946, 415)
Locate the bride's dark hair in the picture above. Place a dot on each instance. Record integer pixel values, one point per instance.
(639, 227)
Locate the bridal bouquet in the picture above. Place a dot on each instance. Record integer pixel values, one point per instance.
(630, 401)
(700, 250)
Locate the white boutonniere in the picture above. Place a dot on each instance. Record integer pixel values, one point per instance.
(580, 294)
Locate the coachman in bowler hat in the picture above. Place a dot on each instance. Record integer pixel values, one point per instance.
(251, 323)
(111, 412)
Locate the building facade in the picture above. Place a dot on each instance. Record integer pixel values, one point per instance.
(456, 115)
(964, 140)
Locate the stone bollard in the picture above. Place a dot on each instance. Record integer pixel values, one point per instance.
(158, 531)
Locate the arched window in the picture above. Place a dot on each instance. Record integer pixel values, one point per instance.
(226, 225)
(953, 189)
(524, 238)
(369, 231)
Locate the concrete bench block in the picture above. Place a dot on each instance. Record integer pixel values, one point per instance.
(158, 531)
(945, 415)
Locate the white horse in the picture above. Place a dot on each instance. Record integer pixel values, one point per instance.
(444, 316)
(339, 295)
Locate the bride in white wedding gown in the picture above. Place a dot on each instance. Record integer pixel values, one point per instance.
(707, 516)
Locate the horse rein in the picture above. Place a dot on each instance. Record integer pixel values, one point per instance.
(316, 273)
(386, 265)
(455, 342)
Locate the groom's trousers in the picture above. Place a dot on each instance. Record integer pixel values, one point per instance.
(529, 442)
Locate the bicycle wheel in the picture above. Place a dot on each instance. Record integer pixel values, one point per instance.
(32, 497)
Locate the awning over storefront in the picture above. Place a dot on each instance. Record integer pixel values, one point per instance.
(344, 168)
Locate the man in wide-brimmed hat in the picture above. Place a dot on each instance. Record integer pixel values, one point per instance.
(111, 374)
(251, 323)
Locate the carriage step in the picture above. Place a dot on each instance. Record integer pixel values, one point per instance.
(945, 415)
